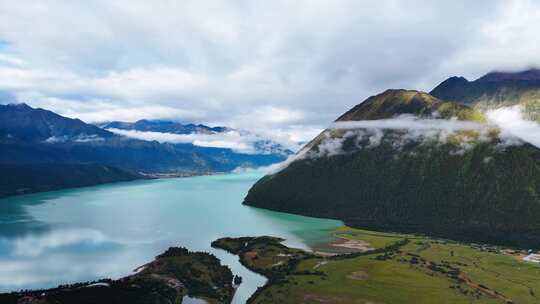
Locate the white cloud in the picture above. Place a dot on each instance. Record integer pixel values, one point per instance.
(368, 134)
(504, 41)
(408, 122)
(35, 245)
(11, 60)
(275, 168)
(110, 112)
(241, 142)
(513, 125)
(276, 67)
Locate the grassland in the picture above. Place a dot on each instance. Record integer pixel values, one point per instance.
(400, 269)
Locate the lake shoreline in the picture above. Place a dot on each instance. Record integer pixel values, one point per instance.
(141, 176)
(171, 275)
(124, 225)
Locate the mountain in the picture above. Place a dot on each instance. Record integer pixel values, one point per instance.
(45, 151)
(23, 123)
(28, 178)
(407, 161)
(396, 102)
(498, 76)
(495, 90)
(163, 126)
(258, 144)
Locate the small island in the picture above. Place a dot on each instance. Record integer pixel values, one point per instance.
(173, 275)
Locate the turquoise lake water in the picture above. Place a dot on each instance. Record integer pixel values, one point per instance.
(107, 231)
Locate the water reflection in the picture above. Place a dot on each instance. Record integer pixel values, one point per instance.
(107, 231)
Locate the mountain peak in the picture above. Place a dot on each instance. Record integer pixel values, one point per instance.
(391, 103)
(164, 126)
(532, 74)
(37, 125)
(450, 88)
(19, 106)
(453, 81)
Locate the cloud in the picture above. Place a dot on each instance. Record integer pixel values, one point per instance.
(407, 122)
(276, 67)
(11, 60)
(241, 142)
(505, 41)
(513, 125)
(368, 134)
(514, 129)
(34, 246)
(275, 168)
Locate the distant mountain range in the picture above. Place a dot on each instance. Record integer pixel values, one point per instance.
(22, 123)
(495, 90)
(42, 150)
(163, 126)
(258, 144)
(411, 161)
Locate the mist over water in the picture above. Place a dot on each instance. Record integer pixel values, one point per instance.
(90, 233)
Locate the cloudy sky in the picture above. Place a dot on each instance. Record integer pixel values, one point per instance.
(286, 68)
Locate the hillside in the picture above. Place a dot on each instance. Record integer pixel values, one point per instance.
(29, 135)
(30, 178)
(450, 178)
(393, 103)
(48, 151)
(24, 123)
(495, 90)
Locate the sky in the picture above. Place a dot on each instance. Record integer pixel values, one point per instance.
(282, 68)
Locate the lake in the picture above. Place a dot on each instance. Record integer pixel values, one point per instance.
(106, 231)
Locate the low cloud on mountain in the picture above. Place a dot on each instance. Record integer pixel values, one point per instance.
(514, 130)
(513, 124)
(408, 122)
(241, 142)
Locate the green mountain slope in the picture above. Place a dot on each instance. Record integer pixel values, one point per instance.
(29, 178)
(392, 103)
(468, 184)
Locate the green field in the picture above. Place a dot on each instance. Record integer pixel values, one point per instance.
(420, 270)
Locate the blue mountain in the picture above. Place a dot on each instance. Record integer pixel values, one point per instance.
(41, 150)
(163, 126)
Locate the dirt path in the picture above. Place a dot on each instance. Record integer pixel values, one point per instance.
(484, 289)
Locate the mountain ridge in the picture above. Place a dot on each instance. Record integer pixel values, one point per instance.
(164, 126)
(23, 122)
(467, 185)
(395, 102)
(260, 145)
(37, 138)
(495, 90)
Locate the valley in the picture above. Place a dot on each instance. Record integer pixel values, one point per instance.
(399, 269)
(270, 152)
(44, 151)
(409, 199)
(394, 267)
(107, 231)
